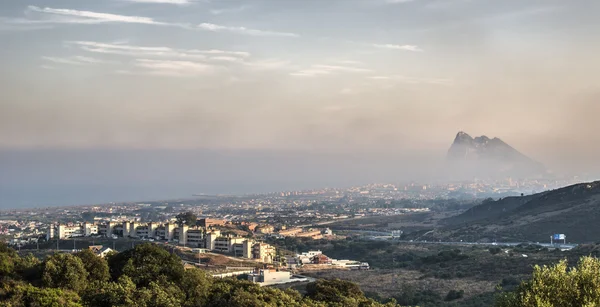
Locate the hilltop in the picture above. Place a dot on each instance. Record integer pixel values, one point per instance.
(489, 157)
(572, 210)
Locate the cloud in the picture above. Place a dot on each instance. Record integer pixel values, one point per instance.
(270, 64)
(74, 60)
(90, 17)
(378, 78)
(88, 60)
(412, 80)
(243, 30)
(20, 24)
(399, 47)
(229, 10)
(310, 73)
(177, 2)
(349, 62)
(175, 68)
(49, 67)
(341, 68)
(398, 1)
(236, 53)
(69, 16)
(166, 52)
(161, 58)
(320, 69)
(226, 59)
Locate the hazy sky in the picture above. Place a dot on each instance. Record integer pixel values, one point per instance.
(305, 76)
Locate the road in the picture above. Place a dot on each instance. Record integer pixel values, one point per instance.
(330, 222)
(561, 246)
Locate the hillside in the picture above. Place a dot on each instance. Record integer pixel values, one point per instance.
(488, 209)
(573, 210)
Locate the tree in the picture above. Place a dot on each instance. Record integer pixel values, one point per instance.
(64, 271)
(188, 218)
(454, 295)
(28, 295)
(333, 290)
(96, 267)
(29, 269)
(8, 260)
(7, 264)
(88, 216)
(149, 276)
(146, 263)
(195, 285)
(109, 294)
(161, 294)
(558, 286)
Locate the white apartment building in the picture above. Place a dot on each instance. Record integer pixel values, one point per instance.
(184, 235)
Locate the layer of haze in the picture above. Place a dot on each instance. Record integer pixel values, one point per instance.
(128, 100)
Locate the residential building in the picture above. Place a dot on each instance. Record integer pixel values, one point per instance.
(263, 252)
(107, 229)
(89, 229)
(321, 259)
(67, 231)
(265, 229)
(206, 222)
(315, 234)
(290, 232)
(226, 244)
(267, 277)
(211, 237)
(196, 237)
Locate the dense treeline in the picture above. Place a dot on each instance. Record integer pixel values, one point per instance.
(147, 276)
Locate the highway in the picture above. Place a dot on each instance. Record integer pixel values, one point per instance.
(561, 246)
(381, 235)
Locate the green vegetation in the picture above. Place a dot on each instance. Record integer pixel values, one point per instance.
(188, 218)
(148, 276)
(417, 274)
(558, 286)
(64, 271)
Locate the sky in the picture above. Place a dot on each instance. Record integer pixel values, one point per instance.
(233, 96)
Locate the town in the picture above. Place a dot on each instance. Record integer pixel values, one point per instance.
(245, 228)
(291, 209)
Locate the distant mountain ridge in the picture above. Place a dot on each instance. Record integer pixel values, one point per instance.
(482, 156)
(572, 210)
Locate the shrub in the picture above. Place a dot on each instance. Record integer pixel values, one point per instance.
(454, 295)
(558, 286)
(495, 250)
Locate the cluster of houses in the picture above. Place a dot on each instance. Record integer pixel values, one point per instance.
(265, 277)
(200, 236)
(318, 258)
